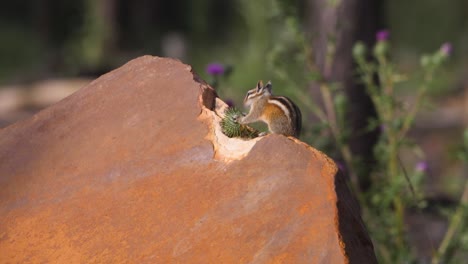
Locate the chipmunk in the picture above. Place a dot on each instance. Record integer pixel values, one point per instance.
(280, 114)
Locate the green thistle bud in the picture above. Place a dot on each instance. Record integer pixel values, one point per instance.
(232, 128)
(426, 61)
(381, 49)
(359, 50)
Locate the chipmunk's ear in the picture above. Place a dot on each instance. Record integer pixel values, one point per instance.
(259, 85)
(269, 86)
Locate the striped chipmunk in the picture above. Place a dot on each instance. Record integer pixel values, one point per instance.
(280, 114)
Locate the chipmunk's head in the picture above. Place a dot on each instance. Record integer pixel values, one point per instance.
(257, 93)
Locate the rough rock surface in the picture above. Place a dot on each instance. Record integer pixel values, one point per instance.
(132, 168)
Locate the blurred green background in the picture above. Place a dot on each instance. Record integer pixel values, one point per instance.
(50, 48)
(43, 38)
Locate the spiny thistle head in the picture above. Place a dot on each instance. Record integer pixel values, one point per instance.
(232, 128)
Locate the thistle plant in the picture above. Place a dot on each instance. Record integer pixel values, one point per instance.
(232, 128)
(393, 188)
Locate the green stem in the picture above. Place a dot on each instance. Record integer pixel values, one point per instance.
(397, 202)
(455, 222)
(307, 100)
(417, 104)
(367, 77)
(344, 148)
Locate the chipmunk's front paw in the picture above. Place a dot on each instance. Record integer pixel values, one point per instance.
(262, 134)
(236, 118)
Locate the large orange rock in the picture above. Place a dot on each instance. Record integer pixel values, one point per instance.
(133, 168)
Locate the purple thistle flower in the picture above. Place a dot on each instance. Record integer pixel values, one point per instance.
(421, 166)
(446, 48)
(230, 102)
(215, 69)
(382, 35)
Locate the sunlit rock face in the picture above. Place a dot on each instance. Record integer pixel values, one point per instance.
(133, 168)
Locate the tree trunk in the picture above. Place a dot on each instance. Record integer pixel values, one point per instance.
(341, 26)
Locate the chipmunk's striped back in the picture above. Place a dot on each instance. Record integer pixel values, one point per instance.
(290, 110)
